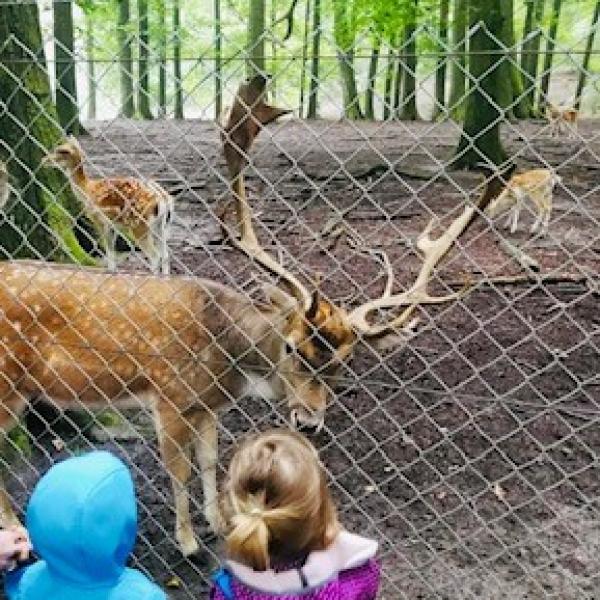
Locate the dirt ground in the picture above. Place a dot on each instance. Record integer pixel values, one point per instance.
(470, 453)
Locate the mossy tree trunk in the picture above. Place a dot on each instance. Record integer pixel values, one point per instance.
(39, 221)
(458, 64)
(162, 57)
(389, 81)
(125, 60)
(481, 130)
(64, 67)
(143, 52)
(313, 93)
(304, 59)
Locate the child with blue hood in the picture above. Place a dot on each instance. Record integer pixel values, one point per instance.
(82, 521)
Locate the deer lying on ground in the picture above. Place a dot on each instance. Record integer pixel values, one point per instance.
(562, 120)
(533, 187)
(184, 347)
(141, 210)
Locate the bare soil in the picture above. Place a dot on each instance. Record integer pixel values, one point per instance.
(471, 453)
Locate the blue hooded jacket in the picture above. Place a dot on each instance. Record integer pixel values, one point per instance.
(82, 520)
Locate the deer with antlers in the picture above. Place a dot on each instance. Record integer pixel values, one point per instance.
(182, 347)
(141, 210)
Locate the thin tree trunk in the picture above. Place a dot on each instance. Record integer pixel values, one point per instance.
(313, 98)
(274, 41)
(91, 75)
(397, 86)
(66, 86)
(218, 61)
(520, 108)
(408, 110)
(458, 64)
(162, 58)
(549, 57)
(532, 54)
(177, 60)
(372, 79)
(440, 73)
(304, 58)
(125, 61)
(481, 130)
(505, 90)
(143, 76)
(586, 57)
(256, 38)
(40, 221)
(388, 105)
(343, 28)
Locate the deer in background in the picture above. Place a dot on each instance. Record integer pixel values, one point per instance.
(533, 187)
(140, 210)
(182, 348)
(562, 120)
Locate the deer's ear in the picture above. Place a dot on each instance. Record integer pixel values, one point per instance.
(280, 299)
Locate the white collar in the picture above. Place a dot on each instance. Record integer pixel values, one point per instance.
(347, 551)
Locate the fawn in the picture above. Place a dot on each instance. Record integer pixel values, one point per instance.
(562, 120)
(141, 210)
(534, 186)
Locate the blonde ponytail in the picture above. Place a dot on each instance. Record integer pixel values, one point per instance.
(248, 540)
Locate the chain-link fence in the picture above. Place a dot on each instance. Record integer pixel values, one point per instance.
(467, 449)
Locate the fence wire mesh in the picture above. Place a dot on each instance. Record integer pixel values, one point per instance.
(469, 451)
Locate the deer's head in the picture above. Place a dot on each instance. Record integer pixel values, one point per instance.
(319, 335)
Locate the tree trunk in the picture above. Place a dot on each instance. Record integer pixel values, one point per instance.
(143, 76)
(66, 86)
(40, 223)
(388, 103)
(344, 32)
(440, 73)
(218, 61)
(397, 86)
(372, 79)
(408, 110)
(125, 61)
(177, 60)
(91, 75)
(256, 38)
(304, 58)
(162, 58)
(458, 64)
(505, 90)
(313, 98)
(481, 130)
(520, 108)
(586, 57)
(549, 57)
(531, 53)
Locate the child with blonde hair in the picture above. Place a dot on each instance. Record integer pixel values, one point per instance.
(283, 535)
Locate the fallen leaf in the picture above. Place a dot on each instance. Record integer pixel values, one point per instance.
(58, 444)
(370, 489)
(173, 583)
(499, 492)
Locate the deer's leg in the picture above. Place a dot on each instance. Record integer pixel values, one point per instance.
(109, 239)
(206, 453)
(175, 438)
(148, 246)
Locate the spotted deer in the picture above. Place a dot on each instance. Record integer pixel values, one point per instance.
(563, 120)
(141, 210)
(184, 347)
(533, 187)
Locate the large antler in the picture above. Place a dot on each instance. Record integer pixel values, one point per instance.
(433, 251)
(248, 115)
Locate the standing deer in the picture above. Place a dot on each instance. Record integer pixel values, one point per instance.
(562, 120)
(185, 347)
(139, 209)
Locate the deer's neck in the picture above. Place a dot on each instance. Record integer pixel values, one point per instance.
(78, 177)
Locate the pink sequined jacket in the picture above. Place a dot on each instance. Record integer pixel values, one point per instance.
(346, 570)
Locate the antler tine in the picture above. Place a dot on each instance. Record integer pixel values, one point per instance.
(433, 250)
(249, 245)
(380, 255)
